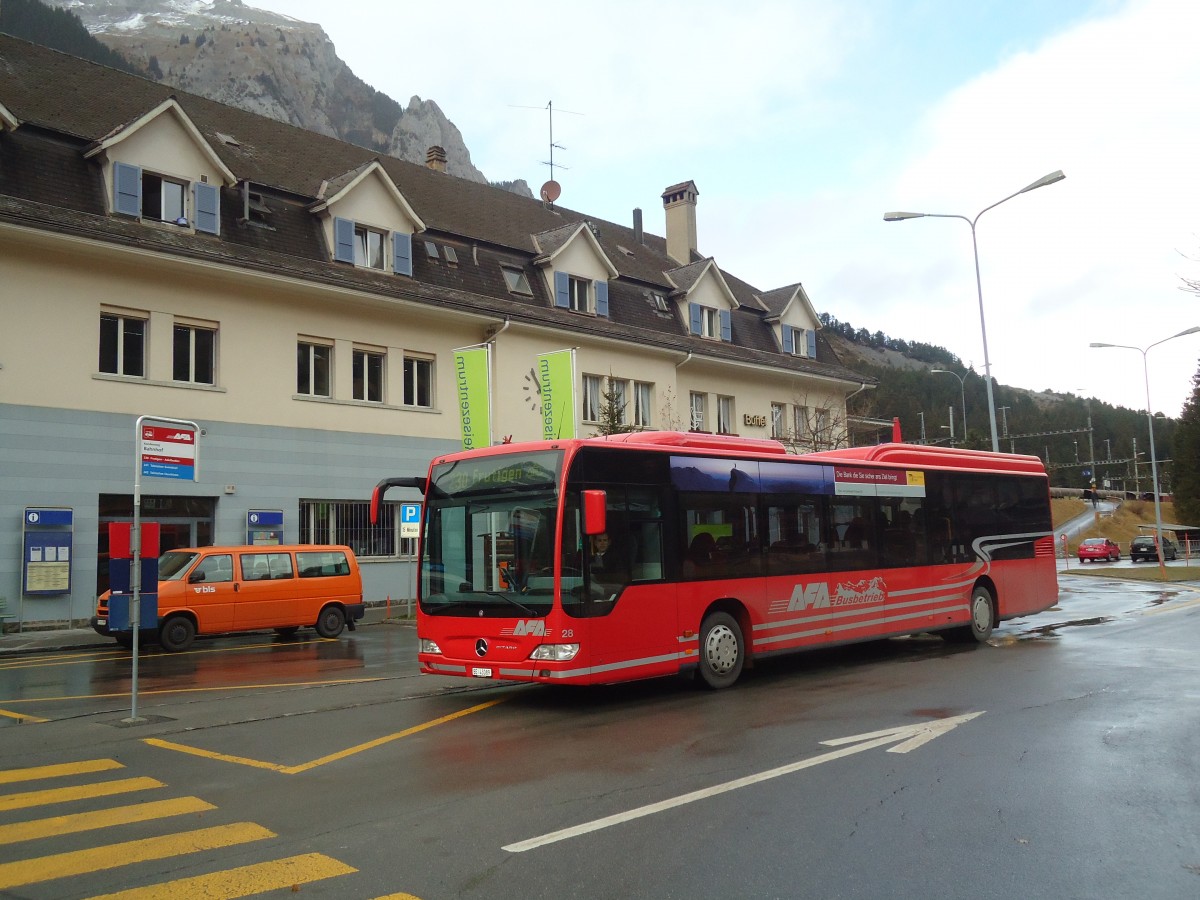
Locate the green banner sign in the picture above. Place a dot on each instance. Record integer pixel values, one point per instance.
(472, 379)
(556, 380)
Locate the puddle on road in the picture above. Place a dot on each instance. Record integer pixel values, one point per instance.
(1051, 631)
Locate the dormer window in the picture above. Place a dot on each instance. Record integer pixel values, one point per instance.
(800, 341)
(368, 247)
(708, 322)
(153, 197)
(580, 294)
(163, 198)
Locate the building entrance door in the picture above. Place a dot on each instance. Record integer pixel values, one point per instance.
(182, 522)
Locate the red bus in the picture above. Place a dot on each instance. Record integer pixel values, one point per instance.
(720, 551)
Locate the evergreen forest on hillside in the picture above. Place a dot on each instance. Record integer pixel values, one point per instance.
(1048, 425)
(60, 30)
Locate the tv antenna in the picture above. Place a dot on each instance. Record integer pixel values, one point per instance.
(551, 190)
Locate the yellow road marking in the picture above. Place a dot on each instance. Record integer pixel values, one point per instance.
(76, 658)
(243, 881)
(1173, 607)
(82, 792)
(81, 862)
(22, 717)
(198, 690)
(332, 757)
(399, 897)
(105, 818)
(33, 773)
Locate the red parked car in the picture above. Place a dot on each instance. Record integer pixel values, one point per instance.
(1099, 549)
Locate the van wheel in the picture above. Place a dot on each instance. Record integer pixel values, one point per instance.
(288, 631)
(722, 652)
(124, 641)
(331, 622)
(177, 633)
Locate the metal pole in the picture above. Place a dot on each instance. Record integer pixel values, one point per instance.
(1162, 566)
(987, 363)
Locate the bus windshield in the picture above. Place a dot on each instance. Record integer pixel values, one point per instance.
(489, 536)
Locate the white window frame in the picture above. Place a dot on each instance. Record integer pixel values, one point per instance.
(710, 322)
(175, 213)
(579, 294)
(348, 522)
(619, 389)
(697, 402)
(724, 414)
(193, 331)
(642, 396)
(122, 360)
(591, 398)
(310, 348)
(418, 381)
(367, 241)
(366, 388)
(777, 416)
(800, 422)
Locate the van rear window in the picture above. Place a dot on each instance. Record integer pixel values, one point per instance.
(322, 563)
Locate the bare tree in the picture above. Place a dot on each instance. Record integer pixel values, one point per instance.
(815, 425)
(670, 416)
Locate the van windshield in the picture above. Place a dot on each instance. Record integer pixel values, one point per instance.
(173, 563)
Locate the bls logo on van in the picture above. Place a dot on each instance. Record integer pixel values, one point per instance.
(535, 626)
(205, 589)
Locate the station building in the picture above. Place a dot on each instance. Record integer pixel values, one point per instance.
(301, 299)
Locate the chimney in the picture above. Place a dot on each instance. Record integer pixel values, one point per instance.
(435, 158)
(679, 201)
(637, 225)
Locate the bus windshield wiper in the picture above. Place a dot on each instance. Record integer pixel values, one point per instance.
(513, 600)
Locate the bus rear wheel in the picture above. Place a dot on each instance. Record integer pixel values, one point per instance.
(722, 651)
(982, 614)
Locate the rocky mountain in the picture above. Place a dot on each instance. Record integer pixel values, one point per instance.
(275, 66)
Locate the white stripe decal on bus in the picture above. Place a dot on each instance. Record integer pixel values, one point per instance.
(850, 626)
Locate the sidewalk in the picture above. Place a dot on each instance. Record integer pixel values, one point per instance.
(61, 639)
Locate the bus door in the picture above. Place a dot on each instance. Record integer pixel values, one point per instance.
(614, 585)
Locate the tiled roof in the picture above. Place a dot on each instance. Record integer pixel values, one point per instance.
(65, 105)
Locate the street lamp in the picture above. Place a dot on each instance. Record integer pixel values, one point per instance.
(1150, 423)
(987, 365)
(962, 386)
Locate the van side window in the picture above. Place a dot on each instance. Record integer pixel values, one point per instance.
(216, 568)
(322, 563)
(266, 566)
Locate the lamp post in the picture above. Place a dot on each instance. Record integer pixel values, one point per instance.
(987, 365)
(962, 386)
(1150, 423)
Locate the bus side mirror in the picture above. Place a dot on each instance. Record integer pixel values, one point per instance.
(595, 515)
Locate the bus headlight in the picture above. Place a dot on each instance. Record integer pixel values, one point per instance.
(555, 652)
(428, 646)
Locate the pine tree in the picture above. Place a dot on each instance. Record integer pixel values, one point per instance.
(1186, 451)
(612, 411)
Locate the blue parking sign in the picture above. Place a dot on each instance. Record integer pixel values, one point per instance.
(410, 520)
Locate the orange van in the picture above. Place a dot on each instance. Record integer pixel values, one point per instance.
(219, 590)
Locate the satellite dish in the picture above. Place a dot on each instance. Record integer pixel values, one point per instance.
(551, 191)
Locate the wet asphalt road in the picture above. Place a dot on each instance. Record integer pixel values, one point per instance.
(1066, 767)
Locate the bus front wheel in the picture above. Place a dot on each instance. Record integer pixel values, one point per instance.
(982, 614)
(722, 651)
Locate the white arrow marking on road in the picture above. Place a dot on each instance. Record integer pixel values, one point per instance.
(909, 736)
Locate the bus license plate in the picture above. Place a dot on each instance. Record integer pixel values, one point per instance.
(481, 672)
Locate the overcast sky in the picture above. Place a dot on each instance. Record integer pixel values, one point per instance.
(802, 122)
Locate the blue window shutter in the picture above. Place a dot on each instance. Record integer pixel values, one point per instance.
(343, 240)
(127, 189)
(208, 208)
(602, 298)
(402, 253)
(694, 317)
(812, 344)
(726, 325)
(789, 339)
(561, 286)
